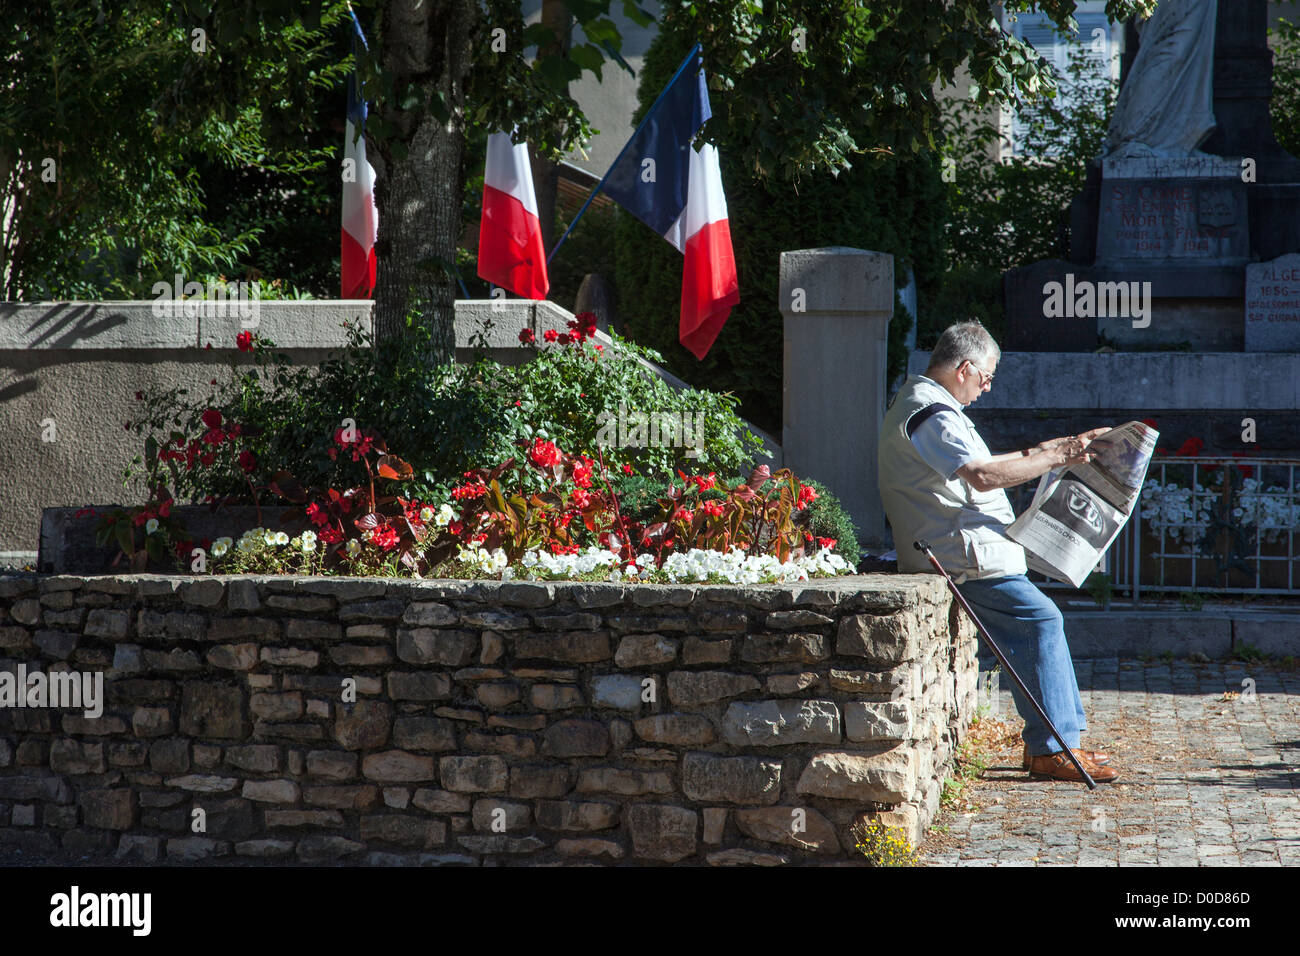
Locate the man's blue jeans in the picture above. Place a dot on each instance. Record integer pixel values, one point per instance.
(1028, 628)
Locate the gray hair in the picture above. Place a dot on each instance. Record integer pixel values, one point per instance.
(962, 341)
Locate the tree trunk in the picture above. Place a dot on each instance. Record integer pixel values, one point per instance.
(419, 193)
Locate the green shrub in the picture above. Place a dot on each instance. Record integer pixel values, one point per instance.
(828, 519)
(443, 420)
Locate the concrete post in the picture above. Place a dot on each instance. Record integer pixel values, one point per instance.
(837, 303)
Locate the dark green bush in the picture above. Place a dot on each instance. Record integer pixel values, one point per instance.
(828, 519)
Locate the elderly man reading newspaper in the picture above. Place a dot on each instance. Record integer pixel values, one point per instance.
(939, 482)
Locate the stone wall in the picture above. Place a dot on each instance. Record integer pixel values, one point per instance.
(492, 723)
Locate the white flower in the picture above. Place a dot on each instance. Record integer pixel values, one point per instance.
(426, 514)
(269, 537)
(220, 547)
(446, 515)
(352, 547)
(281, 537)
(308, 541)
(151, 526)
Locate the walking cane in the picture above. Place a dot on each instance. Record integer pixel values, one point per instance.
(924, 547)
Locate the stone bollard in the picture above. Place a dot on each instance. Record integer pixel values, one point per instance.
(837, 303)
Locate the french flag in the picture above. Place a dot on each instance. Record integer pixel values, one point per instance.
(677, 191)
(510, 251)
(360, 215)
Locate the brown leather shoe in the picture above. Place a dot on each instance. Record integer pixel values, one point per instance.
(1058, 767)
(1096, 756)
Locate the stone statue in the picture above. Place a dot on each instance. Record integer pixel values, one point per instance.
(1166, 106)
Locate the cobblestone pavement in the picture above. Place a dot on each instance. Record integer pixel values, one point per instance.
(1209, 761)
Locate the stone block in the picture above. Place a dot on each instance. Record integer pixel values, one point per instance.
(363, 725)
(258, 758)
(347, 797)
(555, 696)
(397, 766)
(108, 809)
(428, 646)
(802, 828)
(575, 647)
(885, 721)
(526, 781)
(661, 832)
(774, 723)
(577, 738)
(782, 648)
(441, 801)
(418, 686)
(403, 830)
(493, 815)
(645, 650)
(710, 778)
(693, 688)
(887, 777)
(473, 774)
(424, 734)
(616, 691)
(212, 710)
(331, 765)
(576, 815)
(628, 783)
(697, 650)
(681, 730)
(170, 756)
(890, 638)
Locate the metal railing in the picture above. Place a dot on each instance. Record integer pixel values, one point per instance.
(1215, 525)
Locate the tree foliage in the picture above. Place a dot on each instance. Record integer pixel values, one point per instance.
(119, 123)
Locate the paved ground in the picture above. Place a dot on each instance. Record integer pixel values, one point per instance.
(1210, 775)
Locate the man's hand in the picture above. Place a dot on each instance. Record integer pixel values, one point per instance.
(1069, 450)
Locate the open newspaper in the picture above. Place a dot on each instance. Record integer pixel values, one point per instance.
(1077, 511)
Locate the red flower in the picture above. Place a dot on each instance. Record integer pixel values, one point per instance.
(207, 458)
(563, 338)
(527, 337)
(585, 323)
(582, 473)
(599, 347)
(330, 535)
(1190, 447)
(212, 418)
(165, 508)
(1247, 471)
(214, 436)
(806, 497)
(580, 498)
(685, 514)
(244, 340)
(82, 512)
(332, 452)
(247, 461)
(550, 335)
(627, 469)
(544, 454)
(455, 527)
(469, 490)
(385, 538)
(1159, 450)
(825, 542)
(712, 508)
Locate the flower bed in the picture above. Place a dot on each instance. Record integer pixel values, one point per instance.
(543, 512)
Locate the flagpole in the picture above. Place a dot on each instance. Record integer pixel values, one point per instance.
(645, 119)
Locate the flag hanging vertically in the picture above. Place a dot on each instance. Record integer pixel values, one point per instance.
(360, 215)
(510, 250)
(677, 192)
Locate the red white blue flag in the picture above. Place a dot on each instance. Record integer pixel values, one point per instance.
(360, 215)
(510, 250)
(677, 191)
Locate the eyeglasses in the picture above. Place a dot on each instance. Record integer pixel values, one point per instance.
(986, 378)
